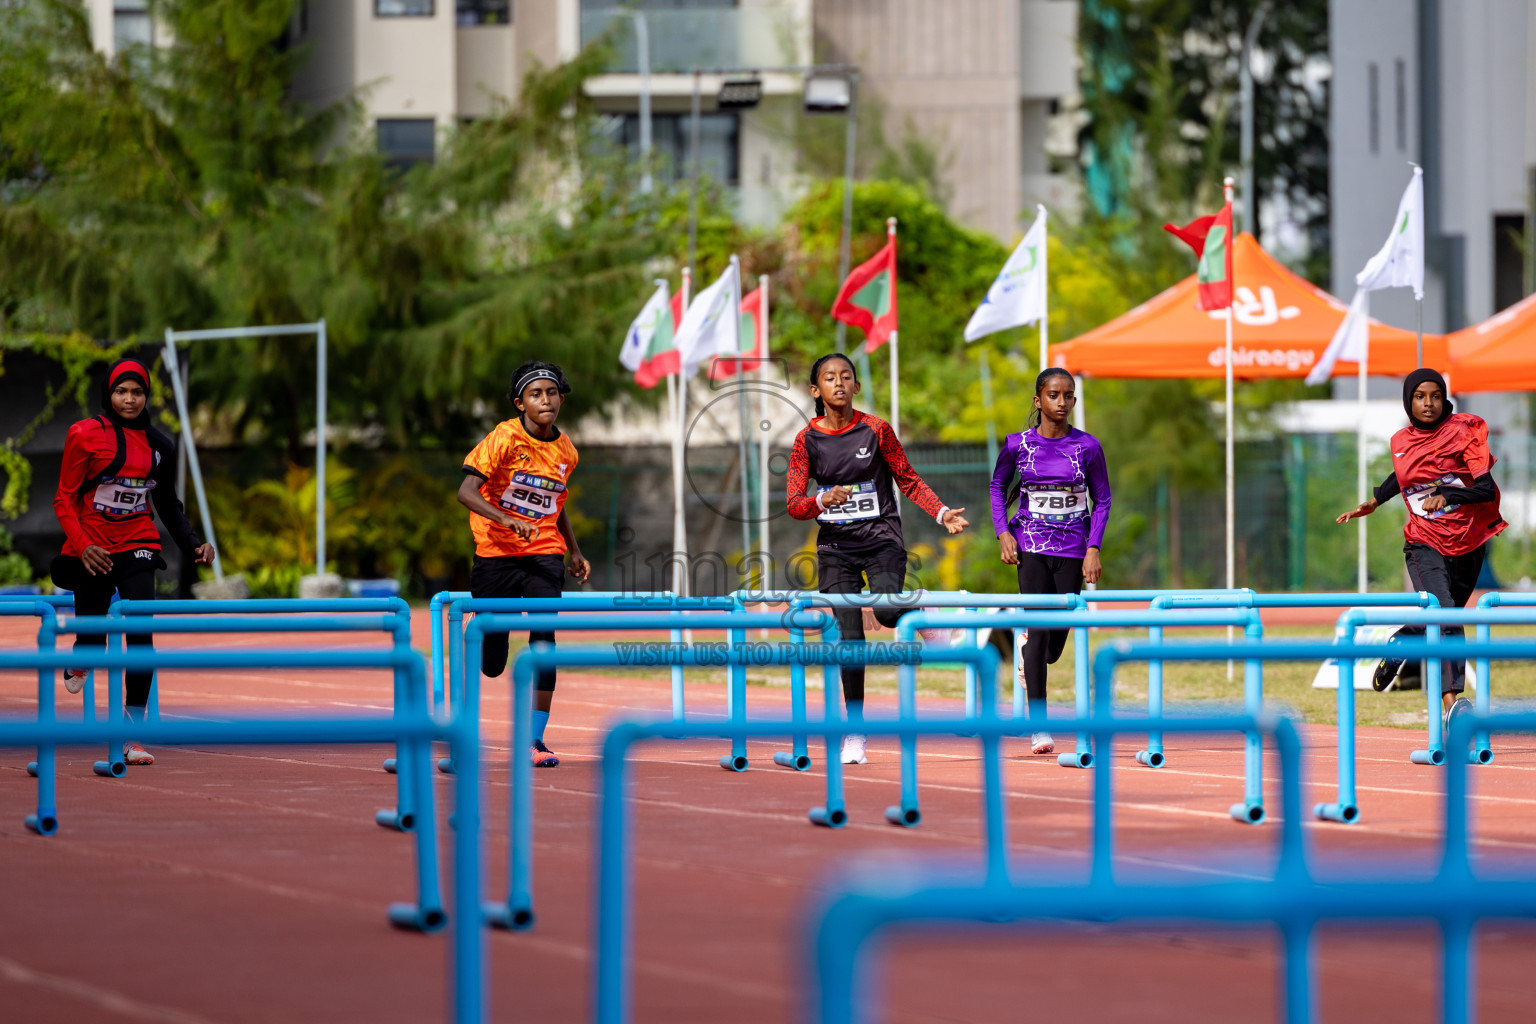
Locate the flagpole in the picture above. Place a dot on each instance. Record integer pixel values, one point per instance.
(1418, 357)
(986, 405)
(1231, 456)
(890, 233)
(762, 447)
(745, 475)
(679, 457)
(1045, 346)
(1362, 582)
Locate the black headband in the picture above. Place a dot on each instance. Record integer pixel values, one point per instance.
(533, 375)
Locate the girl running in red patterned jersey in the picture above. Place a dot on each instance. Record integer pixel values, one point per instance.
(855, 459)
(1441, 466)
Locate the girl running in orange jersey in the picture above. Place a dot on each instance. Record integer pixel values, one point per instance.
(515, 483)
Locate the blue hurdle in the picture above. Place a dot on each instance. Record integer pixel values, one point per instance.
(416, 808)
(577, 601)
(517, 913)
(117, 626)
(1293, 900)
(1250, 811)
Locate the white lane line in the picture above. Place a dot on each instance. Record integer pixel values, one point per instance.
(94, 995)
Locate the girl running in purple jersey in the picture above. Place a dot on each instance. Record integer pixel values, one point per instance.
(1055, 535)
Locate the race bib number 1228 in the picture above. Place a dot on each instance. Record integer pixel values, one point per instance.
(863, 503)
(532, 497)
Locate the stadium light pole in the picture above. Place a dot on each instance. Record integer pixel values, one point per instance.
(1245, 78)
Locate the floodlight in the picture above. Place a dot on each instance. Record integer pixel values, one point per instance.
(827, 94)
(739, 94)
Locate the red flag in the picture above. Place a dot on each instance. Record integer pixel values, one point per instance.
(867, 299)
(1211, 238)
(663, 361)
(752, 313)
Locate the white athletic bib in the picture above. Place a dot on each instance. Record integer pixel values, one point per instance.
(863, 503)
(532, 497)
(1056, 503)
(1416, 495)
(122, 496)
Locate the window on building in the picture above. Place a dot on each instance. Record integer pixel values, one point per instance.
(719, 144)
(1508, 259)
(1373, 84)
(484, 12)
(404, 8)
(1401, 70)
(407, 141)
(131, 25)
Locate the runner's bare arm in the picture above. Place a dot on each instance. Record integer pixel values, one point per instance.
(471, 498)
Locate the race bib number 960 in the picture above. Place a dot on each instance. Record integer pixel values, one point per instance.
(122, 496)
(1416, 495)
(863, 503)
(532, 497)
(1057, 504)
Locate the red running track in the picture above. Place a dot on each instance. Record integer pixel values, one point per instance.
(249, 885)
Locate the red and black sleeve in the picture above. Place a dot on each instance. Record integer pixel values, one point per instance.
(800, 504)
(901, 470)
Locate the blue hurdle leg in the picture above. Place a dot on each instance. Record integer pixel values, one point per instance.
(1344, 809)
(908, 813)
(437, 655)
(45, 821)
(402, 817)
(114, 767)
(518, 912)
(152, 710)
(679, 710)
(456, 670)
(88, 697)
(427, 913)
(1432, 681)
(1298, 973)
(1456, 954)
(736, 695)
(835, 813)
(1020, 712)
(1082, 757)
(798, 757)
(1153, 756)
(1482, 752)
(1251, 810)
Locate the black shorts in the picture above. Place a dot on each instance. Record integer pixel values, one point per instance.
(517, 576)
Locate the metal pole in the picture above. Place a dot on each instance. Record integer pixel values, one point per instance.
(1231, 456)
(679, 447)
(191, 449)
(693, 176)
(850, 144)
(741, 410)
(764, 435)
(1419, 336)
(320, 425)
(890, 233)
(1245, 78)
(1362, 581)
(986, 404)
(643, 46)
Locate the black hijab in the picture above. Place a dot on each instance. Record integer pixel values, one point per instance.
(1424, 375)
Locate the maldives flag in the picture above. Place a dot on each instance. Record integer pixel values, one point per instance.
(752, 325)
(649, 348)
(867, 299)
(1211, 238)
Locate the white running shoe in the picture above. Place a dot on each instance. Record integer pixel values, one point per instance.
(1041, 743)
(74, 679)
(134, 753)
(853, 749)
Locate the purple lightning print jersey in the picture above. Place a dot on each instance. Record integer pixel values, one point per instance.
(1063, 493)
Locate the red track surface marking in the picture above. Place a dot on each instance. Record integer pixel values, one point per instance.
(249, 885)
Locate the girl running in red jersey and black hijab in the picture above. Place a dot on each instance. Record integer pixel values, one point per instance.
(855, 458)
(1442, 467)
(116, 467)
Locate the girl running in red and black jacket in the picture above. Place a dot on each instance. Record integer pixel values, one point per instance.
(855, 458)
(116, 467)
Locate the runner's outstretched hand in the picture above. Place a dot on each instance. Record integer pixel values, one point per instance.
(579, 568)
(1365, 508)
(954, 522)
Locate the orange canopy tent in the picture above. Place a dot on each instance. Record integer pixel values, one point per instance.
(1498, 354)
(1282, 323)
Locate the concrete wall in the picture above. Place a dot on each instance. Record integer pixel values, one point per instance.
(406, 66)
(486, 67)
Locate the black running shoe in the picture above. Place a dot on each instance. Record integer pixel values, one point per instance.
(1459, 706)
(1386, 674)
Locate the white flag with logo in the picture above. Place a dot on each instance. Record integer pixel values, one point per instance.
(637, 340)
(712, 325)
(1018, 296)
(1400, 262)
(1349, 341)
